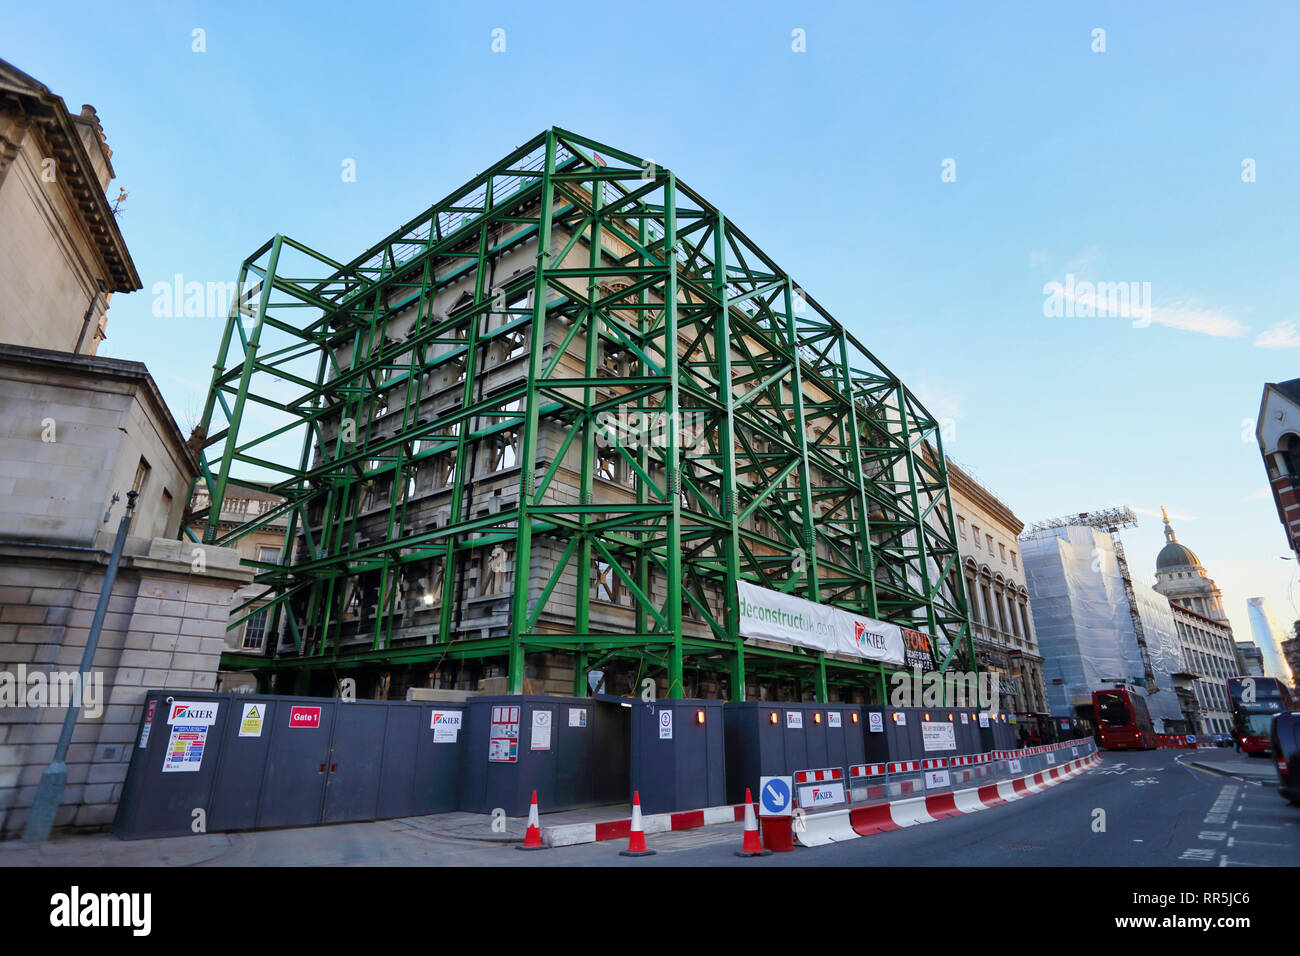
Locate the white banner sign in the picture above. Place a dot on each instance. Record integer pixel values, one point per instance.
(938, 735)
(773, 616)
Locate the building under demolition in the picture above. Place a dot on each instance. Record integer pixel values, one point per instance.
(536, 438)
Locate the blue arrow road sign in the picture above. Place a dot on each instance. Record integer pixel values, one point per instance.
(774, 796)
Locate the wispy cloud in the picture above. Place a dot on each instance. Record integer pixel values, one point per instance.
(1124, 301)
(1259, 494)
(1283, 335)
(1209, 322)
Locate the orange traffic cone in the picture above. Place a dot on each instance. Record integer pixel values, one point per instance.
(533, 838)
(636, 838)
(752, 845)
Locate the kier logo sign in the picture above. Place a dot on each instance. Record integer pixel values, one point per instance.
(304, 716)
(867, 638)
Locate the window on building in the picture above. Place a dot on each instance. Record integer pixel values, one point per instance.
(961, 526)
(1013, 560)
(1002, 551)
(607, 463)
(976, 532)
(503, 451)
(268, 555)
(141, 476)
(606, 584)
(255, 631)
(988, 538)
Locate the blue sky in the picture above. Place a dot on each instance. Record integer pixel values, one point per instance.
(1115, 166)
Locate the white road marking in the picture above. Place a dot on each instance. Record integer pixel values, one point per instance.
(1233, 841)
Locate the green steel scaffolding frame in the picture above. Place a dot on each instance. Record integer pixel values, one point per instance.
(579, 458)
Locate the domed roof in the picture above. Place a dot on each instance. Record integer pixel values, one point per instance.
(1175, 555)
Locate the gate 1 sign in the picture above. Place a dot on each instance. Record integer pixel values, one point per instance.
(304, 717)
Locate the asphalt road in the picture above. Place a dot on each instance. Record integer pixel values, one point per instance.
(1134, 810)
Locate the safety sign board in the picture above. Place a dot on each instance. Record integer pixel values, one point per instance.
(304, 716)
(902, 718)
(1015, 766)
(503, 738)
(833, 719)
(984, 720)
(185, 748)
(821, 795)
(774, 797)
(250, 722)
(446, 726)
(148, 722)
(964, 719)
(938, 735)
(182, 712)
(876, 722)
(1051, 758)
(936, 778)
(577, 716)
(541, 739)
(665, 725)
(794, 720)
(1074, 751)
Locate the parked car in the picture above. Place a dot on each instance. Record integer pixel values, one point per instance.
(1285, 733)
(1223, 740)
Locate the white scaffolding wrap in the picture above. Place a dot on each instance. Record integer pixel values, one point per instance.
(773, 616)
(1085, 629)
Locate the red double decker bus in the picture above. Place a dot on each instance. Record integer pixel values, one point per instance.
(1123, 721)
(1253, 702)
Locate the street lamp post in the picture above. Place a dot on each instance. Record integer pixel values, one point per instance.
(50, 791)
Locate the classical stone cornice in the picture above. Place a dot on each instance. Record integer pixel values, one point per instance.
(35, 106)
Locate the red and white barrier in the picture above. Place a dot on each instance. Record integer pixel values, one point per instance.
(896, 814)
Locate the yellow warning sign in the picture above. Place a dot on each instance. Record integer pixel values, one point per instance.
(250, 724)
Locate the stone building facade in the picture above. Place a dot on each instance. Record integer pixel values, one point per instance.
(1005, 641)
(1209, 651)
(61, 254)
(77, 431)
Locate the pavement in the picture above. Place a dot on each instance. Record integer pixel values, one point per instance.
(1226, 761)
(1210, 808)
(457, 839)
